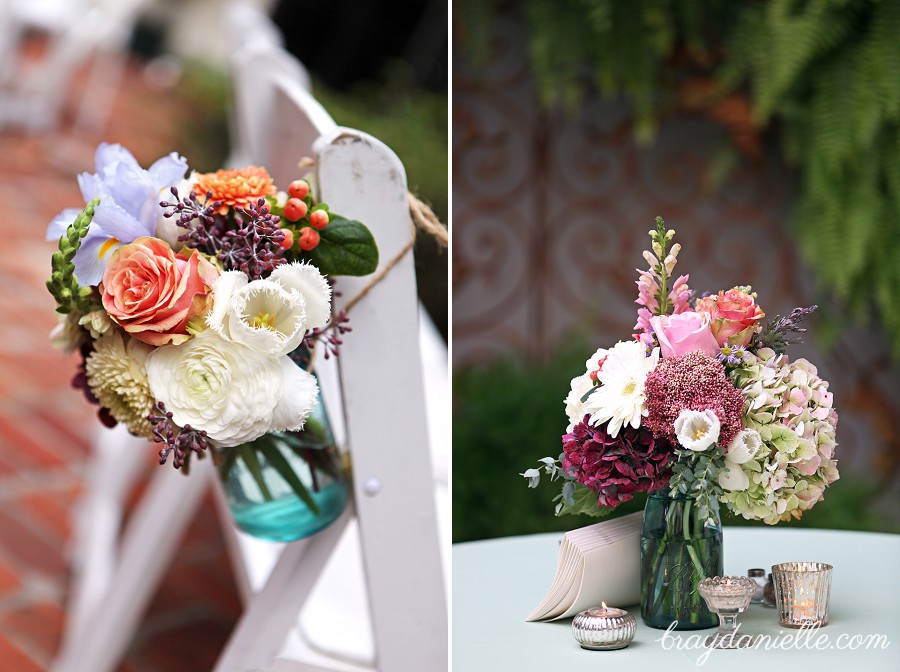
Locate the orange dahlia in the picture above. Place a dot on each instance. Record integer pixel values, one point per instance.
(235, 187)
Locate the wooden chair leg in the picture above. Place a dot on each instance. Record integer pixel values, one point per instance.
(150, 540)
(272, 613)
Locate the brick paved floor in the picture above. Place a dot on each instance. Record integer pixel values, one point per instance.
(45, 424)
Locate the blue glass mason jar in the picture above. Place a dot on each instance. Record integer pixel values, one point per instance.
(286, 486)
(678, 549)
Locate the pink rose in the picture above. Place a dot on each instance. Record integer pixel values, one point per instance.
(684, 333)
(151, 293)
(734, 316)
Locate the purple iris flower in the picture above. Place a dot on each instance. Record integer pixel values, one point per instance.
(129, 206)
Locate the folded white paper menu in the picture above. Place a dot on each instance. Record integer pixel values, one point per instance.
(597, 563)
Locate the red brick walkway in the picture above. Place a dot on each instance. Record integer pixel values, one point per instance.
(45, 424)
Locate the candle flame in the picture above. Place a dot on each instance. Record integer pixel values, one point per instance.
(604, 605)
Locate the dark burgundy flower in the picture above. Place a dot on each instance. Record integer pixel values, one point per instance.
(616, 467)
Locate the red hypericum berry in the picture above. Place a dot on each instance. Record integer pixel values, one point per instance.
(309, 238)
(319, 219)
(288, 241)
(594, 375)
(298, 189)
(295, 209)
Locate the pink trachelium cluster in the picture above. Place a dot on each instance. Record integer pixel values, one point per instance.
(692, 382)
(616, 468)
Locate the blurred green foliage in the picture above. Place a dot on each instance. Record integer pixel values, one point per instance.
(413, 123)
(508, 414)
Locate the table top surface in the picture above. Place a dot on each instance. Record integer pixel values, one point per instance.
(496, 584)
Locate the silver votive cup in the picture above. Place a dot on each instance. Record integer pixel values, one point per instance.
(802, 590)
(603, 628)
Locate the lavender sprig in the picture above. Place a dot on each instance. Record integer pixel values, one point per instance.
(778, 333)
(183, 441)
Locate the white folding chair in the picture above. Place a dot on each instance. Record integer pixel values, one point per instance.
(381, 415)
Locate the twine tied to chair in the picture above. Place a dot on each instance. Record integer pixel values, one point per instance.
(421, 217)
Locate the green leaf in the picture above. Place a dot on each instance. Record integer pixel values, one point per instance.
(228, 460)
(585, 503)
(283, 467)
(346, 247)
(248, 454)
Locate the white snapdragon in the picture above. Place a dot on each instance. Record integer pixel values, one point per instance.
(697, 430)
(230, 390)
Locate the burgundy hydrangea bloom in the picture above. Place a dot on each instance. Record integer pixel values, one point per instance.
(692, 382)
(616, 468)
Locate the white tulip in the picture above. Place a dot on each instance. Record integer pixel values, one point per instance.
(697, 430)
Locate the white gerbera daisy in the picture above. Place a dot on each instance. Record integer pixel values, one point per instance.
(620, 397)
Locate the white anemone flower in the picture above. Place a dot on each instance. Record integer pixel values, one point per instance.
(620, 397)
(743, 448)
(697, 430)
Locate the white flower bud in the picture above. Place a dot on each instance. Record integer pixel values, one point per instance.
(650, 259)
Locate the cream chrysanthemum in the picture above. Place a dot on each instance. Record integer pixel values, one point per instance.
(117, 375)
(620, 397)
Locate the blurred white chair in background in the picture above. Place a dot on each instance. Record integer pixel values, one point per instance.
(33, 96)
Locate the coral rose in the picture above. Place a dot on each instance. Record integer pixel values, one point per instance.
(733, 316)
(684, 333)
(151, 293)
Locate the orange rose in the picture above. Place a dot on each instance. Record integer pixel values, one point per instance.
(151, 293)
(733, 316)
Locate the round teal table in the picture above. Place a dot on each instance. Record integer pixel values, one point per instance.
(496, 583)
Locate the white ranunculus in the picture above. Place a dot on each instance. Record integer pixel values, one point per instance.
(312, 286)
(697, 430)
(232, 391)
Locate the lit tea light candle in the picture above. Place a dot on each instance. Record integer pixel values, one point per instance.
(603, 628)
(802, 591)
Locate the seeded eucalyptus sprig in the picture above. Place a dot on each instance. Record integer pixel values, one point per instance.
(696, 475)
(63, 284)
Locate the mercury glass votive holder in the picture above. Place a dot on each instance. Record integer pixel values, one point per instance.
(802, 590)
(603, 628)
(727, 596)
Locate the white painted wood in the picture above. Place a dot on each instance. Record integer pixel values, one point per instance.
(384, 410)
(148, 546)
(256, 65)
(273, 610)
(94, 546)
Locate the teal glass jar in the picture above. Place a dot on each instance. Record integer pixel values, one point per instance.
(286, 486)
(678, 550)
